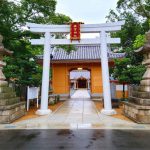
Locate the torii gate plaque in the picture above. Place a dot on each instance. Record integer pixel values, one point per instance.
(85, 28)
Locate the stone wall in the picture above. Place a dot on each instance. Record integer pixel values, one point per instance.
(140, 114)
(10, 106)
(10, 113)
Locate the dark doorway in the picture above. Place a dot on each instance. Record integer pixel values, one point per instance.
(82, 83)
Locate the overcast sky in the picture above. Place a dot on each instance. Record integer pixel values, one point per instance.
(87, 11)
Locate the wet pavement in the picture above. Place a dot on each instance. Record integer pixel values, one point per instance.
(74, 140)
(76, 111)
(75, 114)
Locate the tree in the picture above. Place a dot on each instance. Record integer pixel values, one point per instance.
(137, 18)
(129, 69)
(139, 7)
(139, 41)
(15, 15)
(133, 27)
(124, 71)
(136, 14)
(22, 68)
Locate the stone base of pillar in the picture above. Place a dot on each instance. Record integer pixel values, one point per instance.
(108, 112)
(41, 112)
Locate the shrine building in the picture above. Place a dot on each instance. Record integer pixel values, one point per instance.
(80, 69)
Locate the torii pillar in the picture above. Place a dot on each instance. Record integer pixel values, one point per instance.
(45, 77)
(105, 76)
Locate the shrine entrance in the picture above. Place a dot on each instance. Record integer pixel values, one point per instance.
(48, 40)
(80, 79)
(82, 83)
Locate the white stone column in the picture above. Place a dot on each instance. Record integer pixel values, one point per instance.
(77, 86)
(45, 77)
(88, 84)
(74, 85)
(105, 77)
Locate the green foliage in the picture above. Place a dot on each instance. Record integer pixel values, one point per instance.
(139, 41)
(139, 7)
(23, 70)
(129, 69)
(137, 18)
(135, 58)
(22, 67)
(60, 19)
(130, 30)
(125, 72)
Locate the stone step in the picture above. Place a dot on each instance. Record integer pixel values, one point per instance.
(141, 94)
(139, 101)
(9, 101)
(7, 95)
(6, 89)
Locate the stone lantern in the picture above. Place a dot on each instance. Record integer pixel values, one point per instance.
(138, 107)
(3, 52)
(10, 106)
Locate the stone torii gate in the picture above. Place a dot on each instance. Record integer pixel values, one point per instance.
(48, 41)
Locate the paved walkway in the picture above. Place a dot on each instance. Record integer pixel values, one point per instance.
(81, 93)
(77, 111)
(75, 114)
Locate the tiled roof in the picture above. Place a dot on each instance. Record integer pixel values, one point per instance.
(87, 52)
